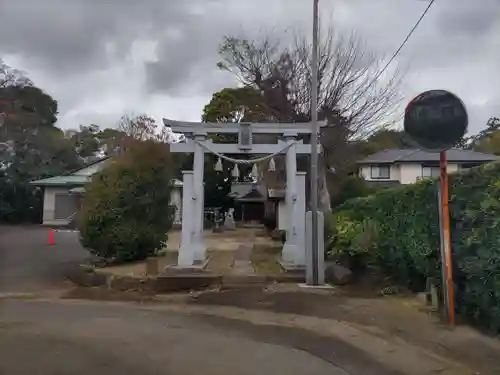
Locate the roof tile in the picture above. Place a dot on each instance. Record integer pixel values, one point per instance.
(416, 155)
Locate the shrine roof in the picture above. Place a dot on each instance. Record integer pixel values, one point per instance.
(247, 191)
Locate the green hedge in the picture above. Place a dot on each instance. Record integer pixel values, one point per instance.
(126, 212)
(397, 230)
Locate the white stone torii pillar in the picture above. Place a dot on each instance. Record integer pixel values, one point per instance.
(300, 222)
(198, 197)
(186, 255)
(290, 248)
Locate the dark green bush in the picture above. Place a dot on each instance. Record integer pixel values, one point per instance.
(352, 187)
(397, 230)
(126, 214)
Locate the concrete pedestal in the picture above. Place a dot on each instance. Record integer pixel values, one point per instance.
(320, 261)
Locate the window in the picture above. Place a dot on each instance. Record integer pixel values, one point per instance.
(380, 171)
(430, 171)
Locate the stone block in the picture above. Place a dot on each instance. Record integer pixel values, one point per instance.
(87, 277)
(338, 275)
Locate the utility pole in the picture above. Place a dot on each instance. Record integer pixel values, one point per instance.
(314, 151)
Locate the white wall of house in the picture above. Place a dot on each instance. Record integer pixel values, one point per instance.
(410, 173)
(405, 173)
(453, 167)
(49, 205)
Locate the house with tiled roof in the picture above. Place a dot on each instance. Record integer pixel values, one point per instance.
(395, 167)
(62, 194)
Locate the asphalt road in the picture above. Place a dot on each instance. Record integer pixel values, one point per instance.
(68, 337)
(55, 336)
(29, 265)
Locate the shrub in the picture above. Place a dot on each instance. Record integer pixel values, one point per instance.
(352, 187)
(351, 242)
(125, 214)
(404, 240)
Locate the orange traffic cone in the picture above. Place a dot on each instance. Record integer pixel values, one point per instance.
(51, 237)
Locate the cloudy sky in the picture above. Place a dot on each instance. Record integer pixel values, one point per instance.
(101, 58)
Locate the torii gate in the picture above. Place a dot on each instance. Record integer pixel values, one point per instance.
(192, 249)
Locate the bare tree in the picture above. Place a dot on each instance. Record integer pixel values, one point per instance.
(140, 127)
(352, 104)
(166, 135)
(12, 77)
(144, 127)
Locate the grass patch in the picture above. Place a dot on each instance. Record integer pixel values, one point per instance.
(264, 259)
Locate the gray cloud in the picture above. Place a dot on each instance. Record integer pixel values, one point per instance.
(90, 54)
(456, 33)
(186, 56)
(76, 35)
(191, 55)
(469, 18)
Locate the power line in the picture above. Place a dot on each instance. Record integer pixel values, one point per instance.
(400, 47)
